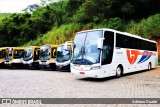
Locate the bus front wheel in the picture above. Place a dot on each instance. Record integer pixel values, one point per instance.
(149, 66)
(118, 71)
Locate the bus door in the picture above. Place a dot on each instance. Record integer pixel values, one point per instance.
(107, 52)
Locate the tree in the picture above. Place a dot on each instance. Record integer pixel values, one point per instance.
(127, 8)
(31, 8)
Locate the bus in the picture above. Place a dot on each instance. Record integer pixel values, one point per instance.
(31, 57)
(47, 56)
(100, 53)
(13, 57)
(2, 56)
(63, 56)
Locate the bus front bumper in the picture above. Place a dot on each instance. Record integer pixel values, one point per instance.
(66, 67)
(87, 73)
(2, 65)
(31, 65)
(48, 66)
(19, 65)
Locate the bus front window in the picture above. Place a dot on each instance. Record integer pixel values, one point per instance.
(2, 54)
(18, 54)
(27, 54)
(62, 54)
(85, 49)
(44, 53)
(8, 56)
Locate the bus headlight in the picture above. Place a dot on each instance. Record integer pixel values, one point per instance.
(95, 67)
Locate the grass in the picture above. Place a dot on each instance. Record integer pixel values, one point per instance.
(159, 61)
(58, 35)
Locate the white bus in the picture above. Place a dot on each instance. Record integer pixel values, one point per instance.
(102, 53)
(63, 56)
(31, 57)
(47, 56)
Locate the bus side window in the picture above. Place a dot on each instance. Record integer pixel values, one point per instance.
(108, 44)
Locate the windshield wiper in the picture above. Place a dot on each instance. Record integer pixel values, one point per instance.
(89, 62)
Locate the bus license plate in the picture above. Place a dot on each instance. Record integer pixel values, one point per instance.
(82, 73)
(60, 67)
(43, 63)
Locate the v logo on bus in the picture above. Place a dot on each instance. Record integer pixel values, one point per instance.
(132, 56)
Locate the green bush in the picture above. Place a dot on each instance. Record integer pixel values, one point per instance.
(146, 27)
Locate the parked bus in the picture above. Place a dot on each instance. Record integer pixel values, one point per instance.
(14, 56)
(31, 57)
(2, 56)
(47, 56)
(102, 53)
(63, 56)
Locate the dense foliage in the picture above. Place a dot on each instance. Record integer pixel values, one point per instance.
(59, 21)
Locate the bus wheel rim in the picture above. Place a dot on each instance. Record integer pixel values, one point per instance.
(149, 66)
(118, 71)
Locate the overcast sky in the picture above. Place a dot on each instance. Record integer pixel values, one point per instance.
(12, 6)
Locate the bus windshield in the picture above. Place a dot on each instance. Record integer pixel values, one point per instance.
(44, 53)
(27, 53)
(8, 55)
(2, 54)
(18, 54)
(85, 49)
(62, 54)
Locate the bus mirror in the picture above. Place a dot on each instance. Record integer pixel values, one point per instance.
(99, 43)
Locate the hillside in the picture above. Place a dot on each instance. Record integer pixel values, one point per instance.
(59, 21)
(145, 28)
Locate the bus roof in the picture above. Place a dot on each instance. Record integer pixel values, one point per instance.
(61, 44)
(124, 33)
(18, 48)
(3, 48)
(49, 45)
(54, 45)
(33, 47)
(68, 43)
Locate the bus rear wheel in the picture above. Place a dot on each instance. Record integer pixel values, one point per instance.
(118, 71)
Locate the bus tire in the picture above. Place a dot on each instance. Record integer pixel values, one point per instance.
(149, 66)
(119, 71)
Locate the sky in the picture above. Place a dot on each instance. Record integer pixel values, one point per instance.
(15, 6)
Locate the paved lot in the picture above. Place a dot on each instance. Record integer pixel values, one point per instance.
(56, 84)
